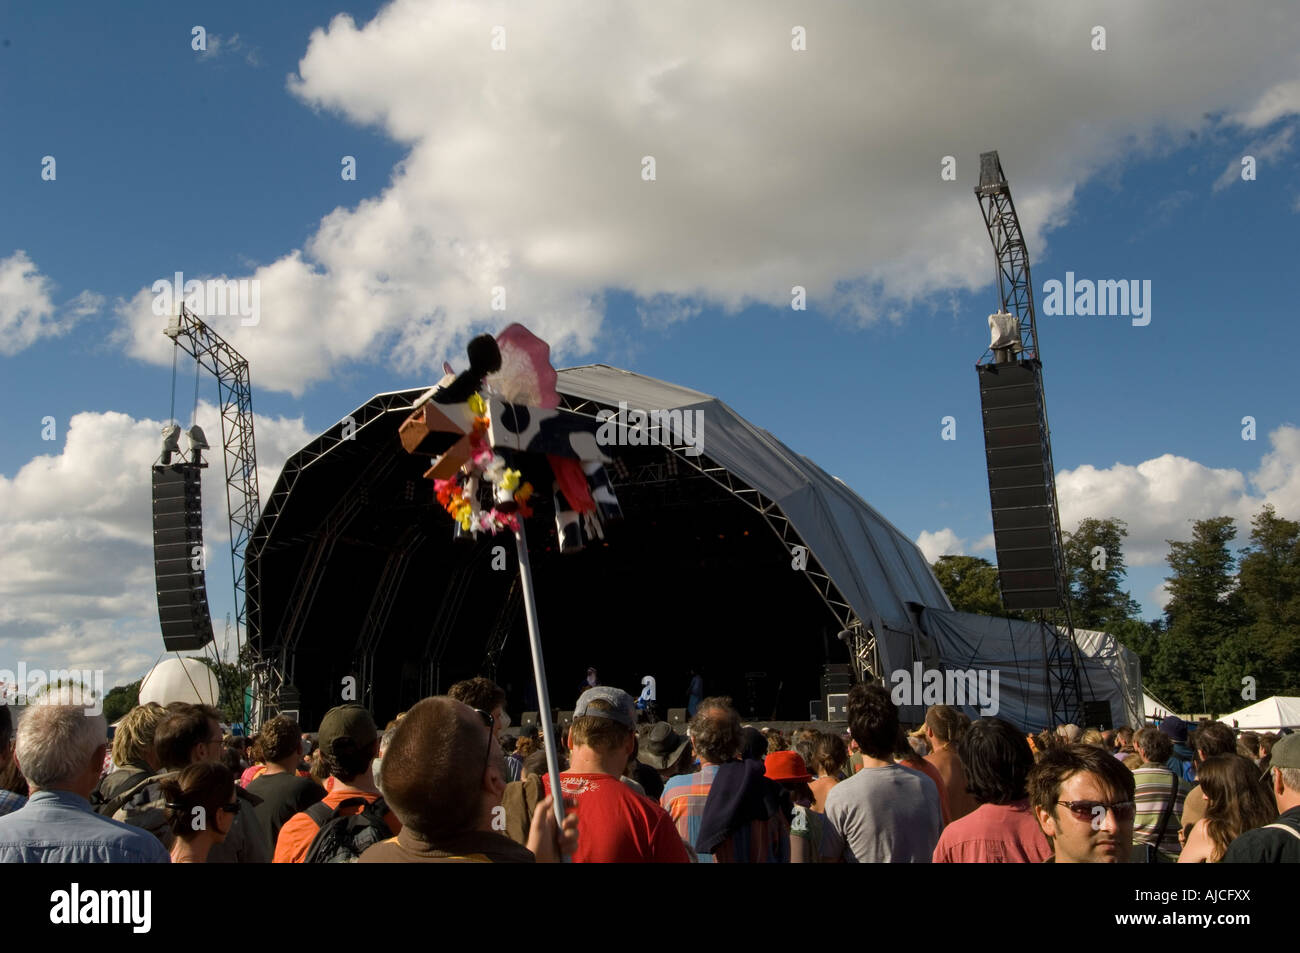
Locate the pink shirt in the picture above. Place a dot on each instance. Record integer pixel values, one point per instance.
(994, 834)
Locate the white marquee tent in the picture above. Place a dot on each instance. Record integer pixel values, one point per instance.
(1280, 711)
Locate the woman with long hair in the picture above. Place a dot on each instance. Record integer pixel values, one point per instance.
(1234, 803)
(201, 808)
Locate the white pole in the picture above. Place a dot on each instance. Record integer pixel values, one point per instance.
(539, 673)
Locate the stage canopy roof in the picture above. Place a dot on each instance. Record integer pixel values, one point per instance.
(1270, 714)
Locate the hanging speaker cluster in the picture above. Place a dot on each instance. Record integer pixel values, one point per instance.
(1020, 485)
(178, 557)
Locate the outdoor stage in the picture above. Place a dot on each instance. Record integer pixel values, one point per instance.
(354, 574)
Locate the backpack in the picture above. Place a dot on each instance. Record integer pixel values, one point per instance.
(144, 806)
(343, 838)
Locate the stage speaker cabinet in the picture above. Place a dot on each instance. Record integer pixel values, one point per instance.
(836, 679)
(528, 722)
(1097, 715)
(178, 557)
(1021, 485)
(564, 720)
(817, 710)
(289, 713)
(837, 707)
(677, 717)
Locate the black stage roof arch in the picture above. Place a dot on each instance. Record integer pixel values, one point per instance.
(356, 575)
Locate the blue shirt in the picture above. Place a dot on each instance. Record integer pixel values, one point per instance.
(59, 827)
(10, 802)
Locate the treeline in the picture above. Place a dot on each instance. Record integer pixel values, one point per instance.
(1230, 634)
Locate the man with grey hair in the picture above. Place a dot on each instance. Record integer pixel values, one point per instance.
(61, 751)
(9, 801)
(1278, 842)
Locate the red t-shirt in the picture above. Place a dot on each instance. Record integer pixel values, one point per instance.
(616, 825)
(994, 834)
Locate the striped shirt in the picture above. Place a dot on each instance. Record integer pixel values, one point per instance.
(1154, 784)
(758, 842)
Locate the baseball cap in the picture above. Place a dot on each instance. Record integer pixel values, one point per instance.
(623, 707)
(346, 721)
(1286, 752)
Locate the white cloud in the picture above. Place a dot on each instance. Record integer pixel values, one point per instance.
(944, 542)
(1160, 498)
(1263, 151)
(774, 167)
(1279, 101)
(76, 558)
(27, 309)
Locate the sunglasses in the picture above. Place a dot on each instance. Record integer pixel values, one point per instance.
(1093, 811)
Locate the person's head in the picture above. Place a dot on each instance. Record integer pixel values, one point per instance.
(663, 749)
(6, 734)
(1083, 800)
(804, 741)
(524, 746)
(1175, 729)
(716, 731)
(830, 755)
(1235, 802)
(280, 742)
(534, 763)
(187, 735)
(60, 747)
(873, 721)
(349, 742)
(133, 739)
(387, 739)
(1284, 771)
(201, 798)
(1213, 738)
(997, 760)
(753, 744)
(1124, 738)
(787, 768)
(943, 725)
(1092, 737)
(1153, 745)
(1108, 739)
(444, 771)
(1248, 745)
(485, 695)
(1070, 734)
(604, 729)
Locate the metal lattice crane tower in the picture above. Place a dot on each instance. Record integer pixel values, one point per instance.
(235, 395)
(1022, 476)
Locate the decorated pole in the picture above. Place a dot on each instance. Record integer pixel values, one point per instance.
(539, 673)
(476, 443)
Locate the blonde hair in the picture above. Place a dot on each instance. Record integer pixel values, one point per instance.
(1093, 737)
(133, 739)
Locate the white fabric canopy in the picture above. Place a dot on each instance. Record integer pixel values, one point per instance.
(874, 565)
(963, 640)
(1280, 711)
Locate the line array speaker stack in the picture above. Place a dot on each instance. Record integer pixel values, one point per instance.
(177, 557)
(1021, 485)
(837, 679)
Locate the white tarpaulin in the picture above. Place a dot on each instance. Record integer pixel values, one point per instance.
(1280, 711)
(875, 567)
(1015, 650)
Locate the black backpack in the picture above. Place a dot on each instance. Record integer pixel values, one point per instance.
(343, 838)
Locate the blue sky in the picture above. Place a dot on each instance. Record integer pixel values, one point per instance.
(1123, 163)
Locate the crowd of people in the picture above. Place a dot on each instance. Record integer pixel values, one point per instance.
(446, 781)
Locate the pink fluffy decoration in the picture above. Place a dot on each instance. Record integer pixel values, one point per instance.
(526, 375)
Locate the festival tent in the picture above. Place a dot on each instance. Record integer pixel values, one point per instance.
(1280, 711)
(1015, 650)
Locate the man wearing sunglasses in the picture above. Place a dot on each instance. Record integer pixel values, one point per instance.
(1083, 799)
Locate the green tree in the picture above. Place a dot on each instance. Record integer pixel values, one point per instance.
(971, 584)
(231, 682)
(121, 699)
(1094, 557)
(1269, 586)
(1204, 612)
